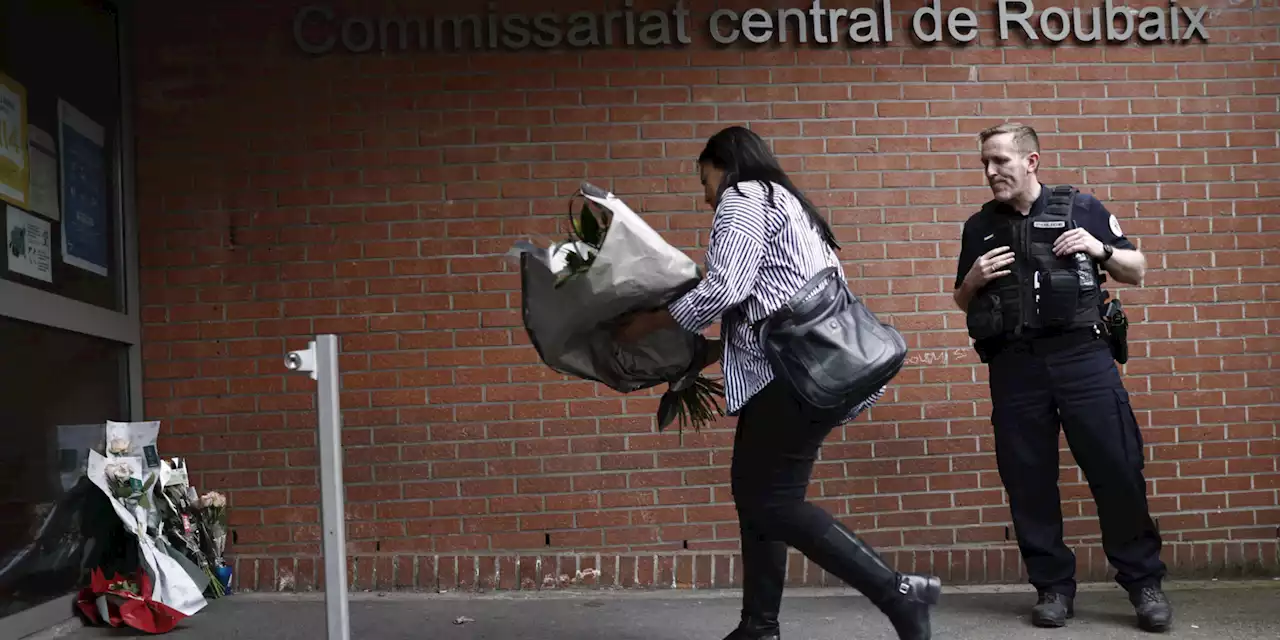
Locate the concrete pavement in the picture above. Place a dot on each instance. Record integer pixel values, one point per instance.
(1216, 610)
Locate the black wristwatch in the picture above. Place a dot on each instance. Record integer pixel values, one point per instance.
(1107, 250)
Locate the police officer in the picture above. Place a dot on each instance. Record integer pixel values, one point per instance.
(1029, 282)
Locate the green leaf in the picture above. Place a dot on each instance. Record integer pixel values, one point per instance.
(694, 406)
(590, 233)
(668, 407)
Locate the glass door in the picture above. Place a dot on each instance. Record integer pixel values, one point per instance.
(69, 321)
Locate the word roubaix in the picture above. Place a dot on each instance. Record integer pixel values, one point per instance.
(318, 29)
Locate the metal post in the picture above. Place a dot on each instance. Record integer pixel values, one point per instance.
(320, 359)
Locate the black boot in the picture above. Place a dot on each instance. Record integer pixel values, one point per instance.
(764, 570)
(908, 610)
(754, 630)
(904, 598)
(1052, 609)
(1153, 609)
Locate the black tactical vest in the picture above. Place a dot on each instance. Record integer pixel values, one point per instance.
(1045, 294)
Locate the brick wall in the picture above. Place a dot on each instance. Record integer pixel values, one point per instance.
(372, 196)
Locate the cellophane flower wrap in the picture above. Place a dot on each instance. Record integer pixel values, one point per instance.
(196, 526)
(126, 601)
(165, 589)
(575, 295)
(214, 508)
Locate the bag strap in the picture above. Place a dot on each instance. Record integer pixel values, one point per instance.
(738, 314)
(1062, 200)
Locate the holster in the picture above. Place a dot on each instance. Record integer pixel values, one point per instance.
(984, 350)
(1116, 326)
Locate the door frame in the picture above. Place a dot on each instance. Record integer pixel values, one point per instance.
(48, 309)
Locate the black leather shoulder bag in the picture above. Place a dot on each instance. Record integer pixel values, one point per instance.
(829, 346)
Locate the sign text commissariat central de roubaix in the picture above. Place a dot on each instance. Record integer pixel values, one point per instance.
(318, 29)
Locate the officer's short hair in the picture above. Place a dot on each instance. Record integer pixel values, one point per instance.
(1024, 137)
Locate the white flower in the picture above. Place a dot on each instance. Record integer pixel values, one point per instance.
(560, 252)
(119, 472)
(118, 446)
(214, 499)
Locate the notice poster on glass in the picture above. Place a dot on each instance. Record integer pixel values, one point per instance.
(13, 141)
(44, 174)
(75, 441)
(84, 190)
(28, 244)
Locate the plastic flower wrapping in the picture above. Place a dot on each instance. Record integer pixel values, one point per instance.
(576, 293)
(173, 556)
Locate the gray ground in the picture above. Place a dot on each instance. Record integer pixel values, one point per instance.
(1217, 610)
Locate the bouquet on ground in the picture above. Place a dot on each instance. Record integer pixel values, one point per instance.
(213, 512)
(576, 293)
(126, 601)
(196, 526)
(156, 574)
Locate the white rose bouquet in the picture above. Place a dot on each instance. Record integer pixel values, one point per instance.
(134, 497)
(120, 478)
(213, 510)
(215, 506)
(118, 447)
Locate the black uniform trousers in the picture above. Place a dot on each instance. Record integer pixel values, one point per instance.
(1072, 382)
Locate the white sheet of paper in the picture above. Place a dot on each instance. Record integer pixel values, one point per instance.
(28, 244)
(75, 441)
(140, 436)
(43, 190)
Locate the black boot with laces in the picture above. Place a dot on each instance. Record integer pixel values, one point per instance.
(1155, 613)
(1052, 609)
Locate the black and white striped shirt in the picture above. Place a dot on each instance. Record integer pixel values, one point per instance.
(759, 254)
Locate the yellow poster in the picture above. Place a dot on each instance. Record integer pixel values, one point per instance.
(14, 169)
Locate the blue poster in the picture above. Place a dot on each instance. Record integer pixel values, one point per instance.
(85, 223)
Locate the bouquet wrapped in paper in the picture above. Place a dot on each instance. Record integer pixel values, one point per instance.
(126, 601)
(575, 294)
(134, 494)
(196, 526)
(213, 509)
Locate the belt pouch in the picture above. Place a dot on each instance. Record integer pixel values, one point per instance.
(1059, 291)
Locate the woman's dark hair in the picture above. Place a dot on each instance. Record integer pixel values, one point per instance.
(744, 156)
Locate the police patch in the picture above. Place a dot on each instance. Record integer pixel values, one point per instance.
(1115, 226)
(1050, 224)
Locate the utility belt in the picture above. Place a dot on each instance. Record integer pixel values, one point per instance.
(1114, 328)
(1070, 339)
(1039, 345)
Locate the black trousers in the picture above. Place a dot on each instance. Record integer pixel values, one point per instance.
(774, 449)
(1035, 389)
